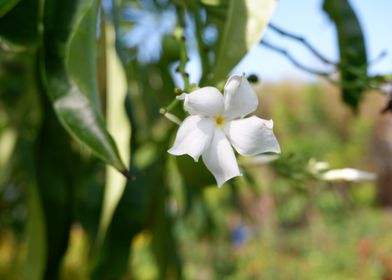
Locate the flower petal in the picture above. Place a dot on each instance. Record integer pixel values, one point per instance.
(240, 98)
(220, 159)
(193, 137)
(251, 136)
(206, 101)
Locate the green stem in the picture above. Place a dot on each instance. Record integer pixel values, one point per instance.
(179, 35)
(200, 44)
(170, 107)
(183, 61)
(183, 52)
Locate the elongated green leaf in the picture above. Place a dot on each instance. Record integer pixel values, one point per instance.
(70, 74)
(19, 22)
(353, 58)
(242, 28)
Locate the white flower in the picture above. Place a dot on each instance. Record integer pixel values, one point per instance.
(349, 175)
(217, 122)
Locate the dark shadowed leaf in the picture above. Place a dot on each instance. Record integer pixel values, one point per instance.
(19, 22)
(54, 163)
(34, 266)
(352, 50)
(111, 260)
(7, 5)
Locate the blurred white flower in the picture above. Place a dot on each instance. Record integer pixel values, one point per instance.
(151, 24)
(349, 175)
(316, 167)
(217, 121)
(387, 88)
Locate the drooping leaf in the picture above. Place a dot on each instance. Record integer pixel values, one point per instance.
(240, 30)
(352, 50)
(19, 22)
(70, 74)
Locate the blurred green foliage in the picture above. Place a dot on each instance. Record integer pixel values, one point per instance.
(276, 222)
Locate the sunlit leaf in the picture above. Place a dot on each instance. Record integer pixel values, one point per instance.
(117, 124)
(241, 29)
(70, 25)
(8, 139)
(352, 50)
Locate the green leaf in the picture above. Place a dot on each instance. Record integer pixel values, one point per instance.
(7, 5)
(111, 260)
(70, 74)
(240, 30)
(19, 22)
(164, 245)
(351, 42)
(55, 163)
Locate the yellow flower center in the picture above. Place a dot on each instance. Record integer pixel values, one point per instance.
(219, 120)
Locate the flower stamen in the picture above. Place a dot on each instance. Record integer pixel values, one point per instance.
(219, 120)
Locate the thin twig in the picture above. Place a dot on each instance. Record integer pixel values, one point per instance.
(169, 107)
(378, 58)
(303, 41)
(355, 70)
(294, 61)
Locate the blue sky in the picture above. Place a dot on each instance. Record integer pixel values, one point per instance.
(306, 18)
